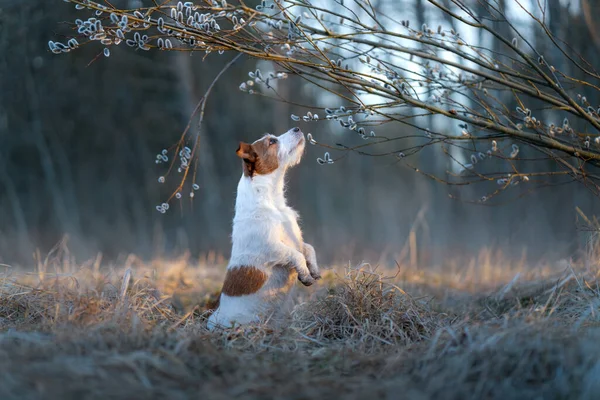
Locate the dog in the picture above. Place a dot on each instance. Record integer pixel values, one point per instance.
(268, 252)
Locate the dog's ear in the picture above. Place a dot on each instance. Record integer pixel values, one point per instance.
(246, 152)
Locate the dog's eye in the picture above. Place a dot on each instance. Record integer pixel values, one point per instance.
(272, 141)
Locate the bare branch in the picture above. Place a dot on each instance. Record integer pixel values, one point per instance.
(514, 109)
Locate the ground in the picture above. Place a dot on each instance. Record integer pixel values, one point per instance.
(488, 329)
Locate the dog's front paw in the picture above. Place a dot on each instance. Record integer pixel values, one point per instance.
(315, 273)
(307, 280)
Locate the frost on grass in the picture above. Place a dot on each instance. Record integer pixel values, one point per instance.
(369, 311)
(95, 331)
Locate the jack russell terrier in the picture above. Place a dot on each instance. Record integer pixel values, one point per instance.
(268, 252)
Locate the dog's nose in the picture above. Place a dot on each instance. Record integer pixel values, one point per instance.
(296, 130)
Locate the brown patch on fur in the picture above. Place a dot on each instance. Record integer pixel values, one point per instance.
(243, 280)
(259, 157)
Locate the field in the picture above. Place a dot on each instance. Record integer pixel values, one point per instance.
(483, 329)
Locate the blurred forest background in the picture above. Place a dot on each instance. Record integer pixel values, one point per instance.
(78, 141)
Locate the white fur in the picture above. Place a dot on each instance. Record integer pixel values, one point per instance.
(266, 235)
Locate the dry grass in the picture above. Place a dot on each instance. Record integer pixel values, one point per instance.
(489, 330)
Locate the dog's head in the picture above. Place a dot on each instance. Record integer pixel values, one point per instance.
(271, 153)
